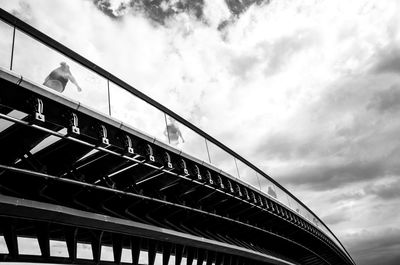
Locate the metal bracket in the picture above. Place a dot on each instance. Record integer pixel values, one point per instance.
(39, 110)
(103, 134)
(209, 178)
(128, 143)
(74, 124)
(167, 159)
(150, 153)
(197, 172)
(221, 184)
(184, 167)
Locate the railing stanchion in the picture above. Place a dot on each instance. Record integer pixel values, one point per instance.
(258, 180)
(12, 50)
(208, 151)
(166, 127)
(109, 99)
(237, 169)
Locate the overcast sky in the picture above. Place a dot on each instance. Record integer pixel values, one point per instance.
(309, 91)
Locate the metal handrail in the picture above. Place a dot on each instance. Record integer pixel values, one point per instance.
(57, 46)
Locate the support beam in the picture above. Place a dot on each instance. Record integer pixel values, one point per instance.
(117, 247)
(152, 250)
(178, 254)
(135, 250)
(96, 245)
(10, 236)
(200, 257)
(190, 256)
(70, 238)
(42, 231)
(166, 253)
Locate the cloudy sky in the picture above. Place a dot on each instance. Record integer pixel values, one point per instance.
(309, 91)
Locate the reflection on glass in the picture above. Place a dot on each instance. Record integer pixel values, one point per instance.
(6, 33)
(59, 77)
(137, 113)
(221, 159)
(267, 187)
(173, 132)
(281, 195)
(183, 138)
(248, 174)
(41, 64)
(294, 205)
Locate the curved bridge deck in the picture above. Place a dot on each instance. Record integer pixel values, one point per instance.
(57, 153)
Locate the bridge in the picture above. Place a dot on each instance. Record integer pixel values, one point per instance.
(101, 173)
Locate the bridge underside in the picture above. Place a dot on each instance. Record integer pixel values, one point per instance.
(71, 175)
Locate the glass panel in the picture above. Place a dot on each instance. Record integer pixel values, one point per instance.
(6, 33)
(293, 204)
(222, 159)
(248, 175)
(281, 195)
(143, 257)
(267, 187)
(137, 113)
(184, 138)
(126, 256)
(84, 251)
(3, 246)
(58, 248)
(42, 65)
(28, 246)
(107, 253)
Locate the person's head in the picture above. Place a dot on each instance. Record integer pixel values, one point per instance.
(64, 66)
(172, 121)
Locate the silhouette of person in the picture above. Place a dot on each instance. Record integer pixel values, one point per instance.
(173, 132)
(59, 77)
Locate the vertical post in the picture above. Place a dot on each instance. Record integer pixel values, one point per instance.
(135, 248)
(117, 247)
(237, 169)
(12, 50)
(258, 180)
(208, 151)
(152, 251)
(109, 100)
(43, 239)
(166, 127)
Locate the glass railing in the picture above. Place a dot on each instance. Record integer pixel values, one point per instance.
(35, 60)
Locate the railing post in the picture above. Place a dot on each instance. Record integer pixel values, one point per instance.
(208, 151)
(12, 50)
(166, 127)
(237, 169)
(109, 99)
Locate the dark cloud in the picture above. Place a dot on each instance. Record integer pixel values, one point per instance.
(325, 177)
(23, 12)
(241, 65)
(335, 218)
(156, 10)
(387, 100)
(237, 7)
(372, 248)
(388, 61)
(386, 191)
(160, 10)
(355, 195)
(284, 146)
(279, 53)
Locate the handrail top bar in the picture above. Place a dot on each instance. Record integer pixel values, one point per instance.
(48, 41)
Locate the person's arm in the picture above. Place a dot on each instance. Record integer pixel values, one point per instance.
(73, 80)
(180, 134)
